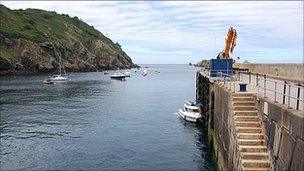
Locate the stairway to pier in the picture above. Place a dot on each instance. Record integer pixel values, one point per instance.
(250, 137)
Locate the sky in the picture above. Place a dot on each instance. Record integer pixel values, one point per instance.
(179, 32)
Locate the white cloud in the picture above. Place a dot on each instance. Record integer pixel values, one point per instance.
(190, 27)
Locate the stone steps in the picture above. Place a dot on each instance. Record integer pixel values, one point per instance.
(247, 124)
(253, 149)
(244, 108)
(256, 169)
(250, 139)
(242, 98)
(245, 94)
(248, 130)
(256, 163)
(246, 113)
(243, 103)
(246, 118)
(251, 142)
(254, 156)
(250, 136)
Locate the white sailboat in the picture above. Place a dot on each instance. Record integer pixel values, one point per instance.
(60, 77)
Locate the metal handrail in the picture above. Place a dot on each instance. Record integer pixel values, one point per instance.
(229, 79)
(287, 94)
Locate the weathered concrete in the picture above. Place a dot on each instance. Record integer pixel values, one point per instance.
(285, 134)
(288, 71)
(282, 127)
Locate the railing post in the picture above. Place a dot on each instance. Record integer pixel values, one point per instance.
(284, 92)
(257, 79)
(275, 92)
(233, 85)
(249, 77)
(229, 84)
(298, 96)
(289, 87)
(265, 86)
(258, 90)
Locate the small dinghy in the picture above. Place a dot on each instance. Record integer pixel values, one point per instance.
(48, 81)
(190, 112)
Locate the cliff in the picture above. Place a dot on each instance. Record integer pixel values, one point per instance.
(27, 38)
(203, 63)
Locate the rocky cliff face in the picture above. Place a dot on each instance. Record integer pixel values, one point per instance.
(203, 63)
(28, 39)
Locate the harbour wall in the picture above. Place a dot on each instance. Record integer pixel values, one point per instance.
(283, 128)
(220, 122)
(292, 71)
(223, 130)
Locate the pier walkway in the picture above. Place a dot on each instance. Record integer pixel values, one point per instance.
(279, 91)
(259, 129)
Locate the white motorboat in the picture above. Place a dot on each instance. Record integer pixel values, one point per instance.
(144, 73)
(118, 75)
(190, 112)
(127, 74)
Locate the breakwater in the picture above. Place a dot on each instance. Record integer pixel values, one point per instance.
(250, 131)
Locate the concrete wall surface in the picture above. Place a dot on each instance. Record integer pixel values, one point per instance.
(284, 130)
(292, 71)
(225, 142)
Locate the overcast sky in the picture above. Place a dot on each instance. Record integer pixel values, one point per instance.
(183, 32)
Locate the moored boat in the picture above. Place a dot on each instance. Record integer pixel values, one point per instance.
(48, 81)
(59, 78)
(190, 112)
(127, 74)
(144, 73)
(118, 75)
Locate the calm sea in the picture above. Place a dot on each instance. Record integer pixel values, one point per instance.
(95, 123)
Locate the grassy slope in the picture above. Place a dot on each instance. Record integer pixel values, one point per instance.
(44, 26)
(32, 24)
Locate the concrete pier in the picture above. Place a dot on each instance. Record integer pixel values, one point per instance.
(250, 130)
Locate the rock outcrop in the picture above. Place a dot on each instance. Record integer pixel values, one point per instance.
(204, 63)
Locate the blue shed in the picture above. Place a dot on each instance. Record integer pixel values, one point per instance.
(220, 65)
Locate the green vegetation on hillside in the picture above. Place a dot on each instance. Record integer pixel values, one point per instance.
(41, 26)
(77, 42)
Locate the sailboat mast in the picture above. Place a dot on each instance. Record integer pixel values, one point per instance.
(59, 60)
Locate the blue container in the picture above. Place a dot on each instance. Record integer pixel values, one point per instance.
(220, 65)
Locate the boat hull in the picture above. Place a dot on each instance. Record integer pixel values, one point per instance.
(187, 117)
(117, 77)
(59, 79)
